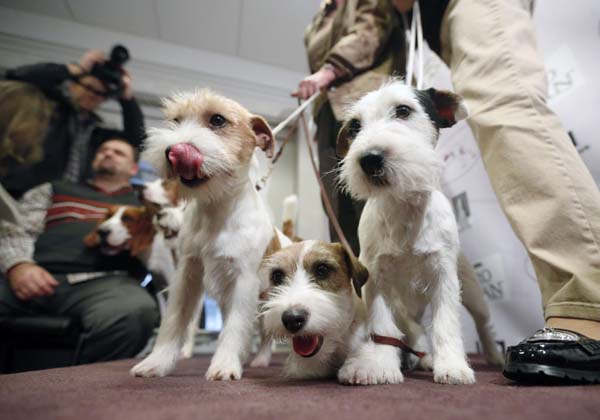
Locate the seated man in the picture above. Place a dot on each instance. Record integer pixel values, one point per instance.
(46, 268)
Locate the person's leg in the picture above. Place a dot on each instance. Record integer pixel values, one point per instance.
(10, 305)
(346, 209)
(543, 186)
(116, 312)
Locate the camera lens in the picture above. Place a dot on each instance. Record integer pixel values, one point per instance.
(119, 55)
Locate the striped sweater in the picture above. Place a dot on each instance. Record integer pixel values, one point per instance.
(57, 216)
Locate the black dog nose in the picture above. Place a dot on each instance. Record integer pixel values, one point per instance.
(372, 163)
(294, 319)
(103, 233)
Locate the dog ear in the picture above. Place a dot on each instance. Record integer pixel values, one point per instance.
(358, 272)
(342, 143)
(264, 136)
(92, 239)
(448, 107)
(142, 233)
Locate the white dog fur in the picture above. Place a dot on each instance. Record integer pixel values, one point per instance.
(161, 196)
(209, 146)
(408, 234)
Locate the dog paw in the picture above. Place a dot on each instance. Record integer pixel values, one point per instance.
(454, 373)
(153, 366)
(187, 353)
(369, 372)
(495, 359)
(187, 350)
(261, 361)
(221, 370)
(426, 362)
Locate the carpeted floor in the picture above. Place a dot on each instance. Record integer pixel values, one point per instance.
(106, 391)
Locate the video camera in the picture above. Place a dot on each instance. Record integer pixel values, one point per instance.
(110, 72)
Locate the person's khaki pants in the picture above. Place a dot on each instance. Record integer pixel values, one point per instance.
(541, 182)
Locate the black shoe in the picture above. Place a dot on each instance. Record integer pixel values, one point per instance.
(556, 356)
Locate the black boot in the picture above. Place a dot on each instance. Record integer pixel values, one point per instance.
(554, 355)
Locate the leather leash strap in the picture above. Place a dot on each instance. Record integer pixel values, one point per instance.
(328, 207)
(391, 341)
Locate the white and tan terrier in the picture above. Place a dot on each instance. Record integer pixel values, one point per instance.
(311, 293)
(407, 232)
(208, 148)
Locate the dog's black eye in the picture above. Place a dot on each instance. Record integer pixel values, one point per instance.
(322, 271)
(277, 277)
(354, 127)
(403, 111)
(176, 120)
(126, 218)
(217, 121)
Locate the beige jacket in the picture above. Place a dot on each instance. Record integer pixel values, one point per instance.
(362, 40)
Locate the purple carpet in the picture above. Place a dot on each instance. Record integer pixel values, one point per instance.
(106, 391)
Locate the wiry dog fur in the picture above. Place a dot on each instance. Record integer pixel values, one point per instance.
(408, 234)
(208, 148)
(311, 292)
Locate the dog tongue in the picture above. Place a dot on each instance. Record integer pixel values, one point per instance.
(305, 346)
(185, 160)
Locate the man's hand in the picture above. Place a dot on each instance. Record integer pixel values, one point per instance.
(90, 58)
(314, 83)
(86, 62)
(29, 280)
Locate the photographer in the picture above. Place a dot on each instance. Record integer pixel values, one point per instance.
(74, 135)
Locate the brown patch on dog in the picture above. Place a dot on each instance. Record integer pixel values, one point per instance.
(264, 136)
(92, 239)
(343, 271)
(241, 130)
(287, 229)
(342, 143)
(273, 246)
(356, 271)
(284, 259)
(138, 222)
(327, 258)
(171, 188)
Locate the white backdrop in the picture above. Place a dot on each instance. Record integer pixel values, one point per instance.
(569, 38)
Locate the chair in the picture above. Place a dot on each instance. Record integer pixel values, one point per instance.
(39, 342)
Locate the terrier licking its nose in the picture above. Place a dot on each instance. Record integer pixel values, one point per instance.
(226, 230)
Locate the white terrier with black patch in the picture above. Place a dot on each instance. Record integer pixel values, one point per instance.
(407, 232)
(226, 232)
(311, 293)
